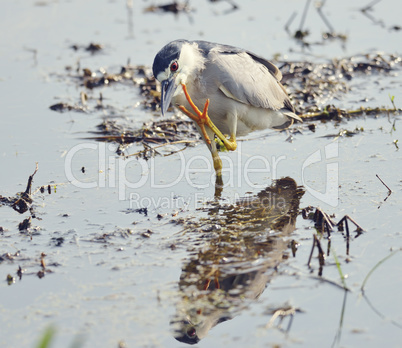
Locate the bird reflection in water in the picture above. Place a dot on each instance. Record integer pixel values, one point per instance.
(240, 247)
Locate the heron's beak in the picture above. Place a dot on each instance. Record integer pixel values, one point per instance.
(168, 89)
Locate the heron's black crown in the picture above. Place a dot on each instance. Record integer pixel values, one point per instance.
(166, 55)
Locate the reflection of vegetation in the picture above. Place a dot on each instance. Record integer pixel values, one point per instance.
(338, 334)
(239, 248)
(363, 286)
(50, 333)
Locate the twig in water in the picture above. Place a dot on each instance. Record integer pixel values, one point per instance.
(347, 217)
(29, 185)
(323, 221)
(340, 228)
(389, 190)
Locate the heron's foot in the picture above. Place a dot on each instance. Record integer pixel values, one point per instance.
(230, 143)
(203, 119)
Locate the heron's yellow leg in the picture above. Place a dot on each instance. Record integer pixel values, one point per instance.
(203, 119)
(217, 163)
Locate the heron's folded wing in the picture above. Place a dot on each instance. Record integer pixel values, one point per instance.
(248, 79)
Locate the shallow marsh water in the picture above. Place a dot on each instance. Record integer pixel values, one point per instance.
(117, 271)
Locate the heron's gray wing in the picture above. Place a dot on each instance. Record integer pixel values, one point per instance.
(248, 79)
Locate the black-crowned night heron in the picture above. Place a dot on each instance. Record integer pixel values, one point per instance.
(238, 91)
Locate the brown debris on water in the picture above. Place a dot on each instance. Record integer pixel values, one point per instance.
(132, 75)
(91, 47)
(22, 202)
(25, 224)
(311, 85)
(62, 107)
(174, 7)
(159, 133)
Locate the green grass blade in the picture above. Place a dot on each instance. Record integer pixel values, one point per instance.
(379, 263)
(338, 266)
(47, 338)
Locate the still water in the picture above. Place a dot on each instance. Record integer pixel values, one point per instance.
(137, 252)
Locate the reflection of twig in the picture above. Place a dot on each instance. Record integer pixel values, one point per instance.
(321, 255)
(292, 17)
(324, 19)
(234, 5)
(303, 19)
(329, 281)
(389, 190)
(130, 22)
(35, 54)
(370, 5)
(365, 11)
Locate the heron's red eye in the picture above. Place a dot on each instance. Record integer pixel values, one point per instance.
(191, 332)
(174, 66)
